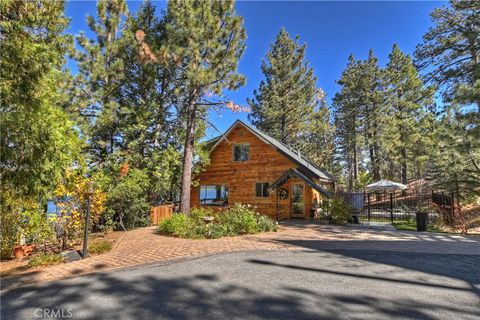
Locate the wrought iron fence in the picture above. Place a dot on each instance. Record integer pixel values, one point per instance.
(399, 206)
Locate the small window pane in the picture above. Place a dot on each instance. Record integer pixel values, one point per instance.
(261, 190)
(258, 190)
(241, 152)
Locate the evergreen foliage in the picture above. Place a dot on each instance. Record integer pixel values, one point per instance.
(383, 118)
(285, 101)
(408, 102)
(450, 51)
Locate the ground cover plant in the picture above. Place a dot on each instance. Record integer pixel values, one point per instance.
(45, 259)
(98, 246)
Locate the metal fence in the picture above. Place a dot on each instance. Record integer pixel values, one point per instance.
(399, 206)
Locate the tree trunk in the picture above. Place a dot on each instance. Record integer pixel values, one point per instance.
(376, 164)
(350, 176)
(404, 165)
(120, 217)
(355, 164)
(188, 159)
(282, 130)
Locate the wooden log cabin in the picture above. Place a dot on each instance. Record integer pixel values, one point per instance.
(249, 167)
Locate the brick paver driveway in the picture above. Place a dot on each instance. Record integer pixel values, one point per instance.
(144, 246)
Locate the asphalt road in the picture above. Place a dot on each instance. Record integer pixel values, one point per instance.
(306, 284)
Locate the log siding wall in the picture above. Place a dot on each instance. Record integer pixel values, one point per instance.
(265, 165)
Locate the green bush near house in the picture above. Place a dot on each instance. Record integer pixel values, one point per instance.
(45, 259)
(239, 219)
(176, 225)
(337, 210)
(98, 246)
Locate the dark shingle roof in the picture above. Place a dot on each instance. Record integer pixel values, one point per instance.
(291, 173)
(308, 167)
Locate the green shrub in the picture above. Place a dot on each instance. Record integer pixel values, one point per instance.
(98, 246)
(197, 214)
(266, 224)
(177, 225)
(45, 259)
(236, 220)
(338, 210)
(239, 219)
(214, 230)
(128, 201)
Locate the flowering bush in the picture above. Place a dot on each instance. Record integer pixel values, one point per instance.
(239, 219)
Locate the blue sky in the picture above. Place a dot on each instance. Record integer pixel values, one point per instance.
(331, 30)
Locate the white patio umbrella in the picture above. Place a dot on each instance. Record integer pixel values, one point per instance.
(386, 185)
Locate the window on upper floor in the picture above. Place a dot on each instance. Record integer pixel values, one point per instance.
(261, 190)
(241, 152)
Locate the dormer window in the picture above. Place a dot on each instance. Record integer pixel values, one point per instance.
(241, 152)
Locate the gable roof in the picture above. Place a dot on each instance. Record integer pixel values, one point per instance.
(294, 173)
(305, 165)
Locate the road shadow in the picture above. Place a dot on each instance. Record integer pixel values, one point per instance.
(106, 295)
(465, 267)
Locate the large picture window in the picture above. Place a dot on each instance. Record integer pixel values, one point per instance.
(241, 152)
(261, 190)
(214, 195)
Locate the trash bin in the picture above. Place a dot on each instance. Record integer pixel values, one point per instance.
(422, 220)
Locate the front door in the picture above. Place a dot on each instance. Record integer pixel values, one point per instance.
(298, 205)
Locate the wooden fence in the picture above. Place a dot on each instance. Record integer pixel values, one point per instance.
(159, 213)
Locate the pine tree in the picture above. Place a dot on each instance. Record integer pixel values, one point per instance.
(285, 100)
(451, 168)
(319, 144)
(360, 119)
(347, 117)
(150, 131)
(371, 100)
(101, 76)
(408, 99)
(206, 40)
(450, 50)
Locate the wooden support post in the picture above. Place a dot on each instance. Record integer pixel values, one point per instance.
(276, 205)
(391, 207)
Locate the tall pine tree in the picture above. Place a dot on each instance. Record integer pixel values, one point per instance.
(286, 99)
(151, 136)
(371, 101)
(206, 40)
(347, 121)
(319, 144)
(450, 51)
(408, 102)
(101, 76)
